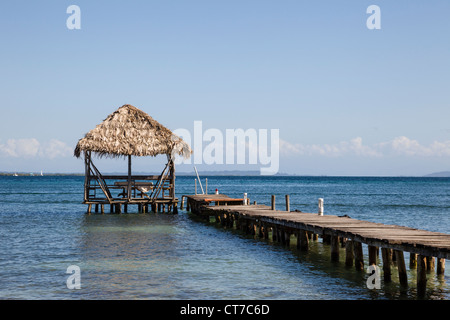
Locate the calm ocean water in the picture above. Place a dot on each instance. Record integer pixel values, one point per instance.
(44, 230)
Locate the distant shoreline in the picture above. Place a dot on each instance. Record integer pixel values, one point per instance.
(443, 174)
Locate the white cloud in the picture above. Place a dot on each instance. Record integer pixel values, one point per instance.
(400, 146)
(20, 148)
(30, 148)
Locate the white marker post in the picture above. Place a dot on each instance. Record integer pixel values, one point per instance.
(320, 207)
(245, 199)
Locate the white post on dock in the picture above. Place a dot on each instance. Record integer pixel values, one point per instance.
(320, 206)
(245, 199)
(195, 186)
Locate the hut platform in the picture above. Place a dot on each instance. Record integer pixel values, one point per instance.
(338, 232)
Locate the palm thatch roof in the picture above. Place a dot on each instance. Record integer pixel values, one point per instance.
(130, 131)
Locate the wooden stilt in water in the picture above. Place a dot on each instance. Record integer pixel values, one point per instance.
(359, 258)
(373, 255)
(402, 276)
(349, 256)
(89, 209)
(421, 275)
(386, 256)
(430, 264)
(302, 240)
(102, 208)
(413, 260)
(273, 202)
(334, 248)
(440, 266)
(96, 208)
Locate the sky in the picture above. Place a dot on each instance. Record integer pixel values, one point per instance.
(346, 99)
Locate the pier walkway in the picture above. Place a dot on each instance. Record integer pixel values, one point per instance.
(425, 247)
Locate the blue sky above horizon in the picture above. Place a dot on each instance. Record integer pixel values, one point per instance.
(347, 100)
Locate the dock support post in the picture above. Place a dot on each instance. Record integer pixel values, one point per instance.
(102, 208)
(182, 202)
(372, 255)
(430, 263)
(385, 255)
(288, 206)
(413, 260)
(96, 208)
(359, 259)
(89, 209)
(349, 256)
(401, 267)
(421, 275)
(302, 240)
(334, 248)
(440, 266)
(273, 202)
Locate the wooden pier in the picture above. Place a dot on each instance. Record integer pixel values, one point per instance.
(425, 247)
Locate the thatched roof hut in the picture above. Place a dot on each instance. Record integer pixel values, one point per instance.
(131, 132)
(125, 133)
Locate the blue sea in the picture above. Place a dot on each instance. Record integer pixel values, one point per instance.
(44, 229)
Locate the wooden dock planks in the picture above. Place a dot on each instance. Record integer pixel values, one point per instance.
(395, 237)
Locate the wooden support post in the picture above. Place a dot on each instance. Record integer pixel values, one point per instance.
(288, 207)
(302, 240)
(386, 256)
(421, 275)
(125, 208)
(266, 232)
(182, 202)
(287, 237)
(89, 209)
(188, 205)
(372, 255)
(359, 258)
(175, 209)
(430, 263)
(440, 266)
(129, 179)
(96, 208)
(402, 276)
(412, 260)
(102, 208)
(334, 248)
(273, 202)
(111, 208)
(349, 256)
